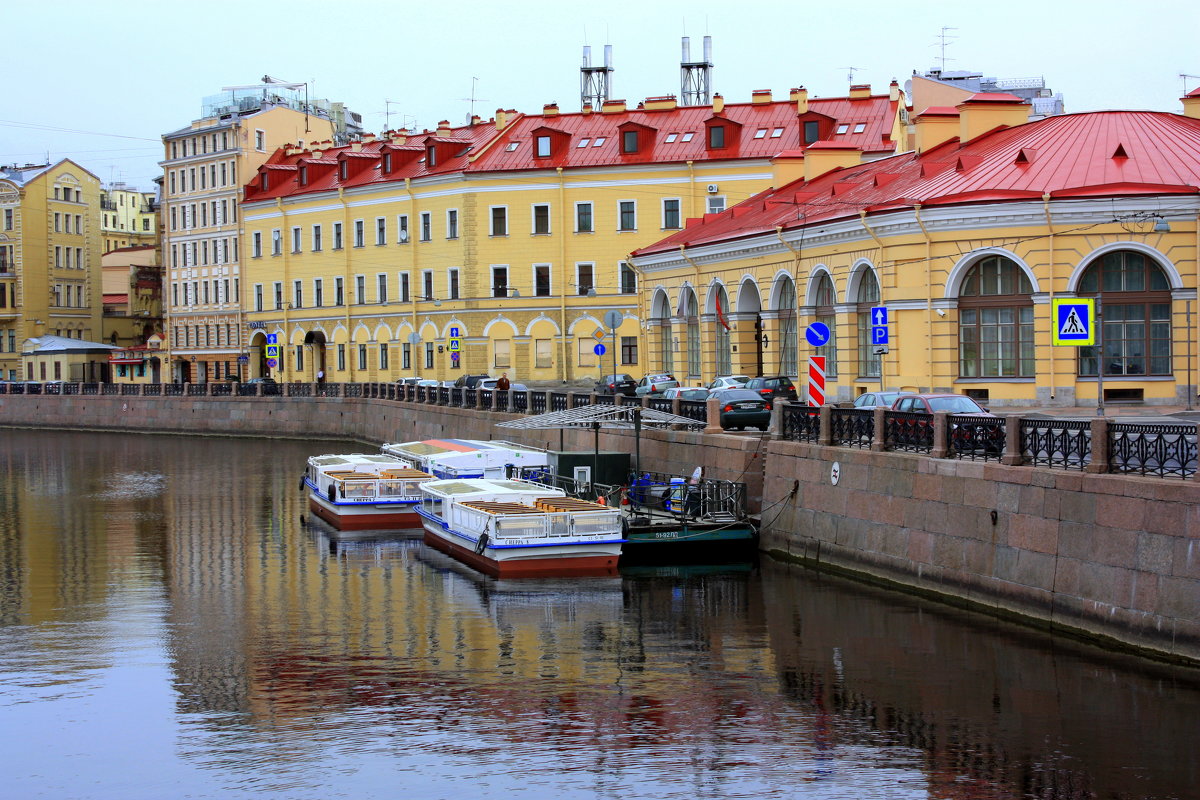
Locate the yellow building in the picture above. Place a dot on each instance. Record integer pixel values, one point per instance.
(499, 246)
(204, 164)
(965, 245)
(128, 218)
(132, 293)
(49, 257)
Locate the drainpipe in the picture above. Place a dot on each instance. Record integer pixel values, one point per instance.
(928, 288)
(1050, 228)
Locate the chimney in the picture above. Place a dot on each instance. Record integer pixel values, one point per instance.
(368, 138)
(664, 103)
(501, 119)
(550, 110)
(613, 107)
(935, 125)
(800, 98)
(860, 91)
(443, 128)
(587, 109)
(786, 167)
(718, 104)
(987, 111)
(822, 157)
(1191, 104)
(356, 146)
(399, 136)
(893, 91)
(760, 96)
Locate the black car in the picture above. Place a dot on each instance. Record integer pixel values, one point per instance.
(742, 408)
(469, 381)
(772, 386)
(616, 384)
(269, 384)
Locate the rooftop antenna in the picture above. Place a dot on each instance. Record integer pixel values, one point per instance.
(1183, 76)
(696, 76)
(472, 98)
(944, 38)
(850, 72)
(595, 83)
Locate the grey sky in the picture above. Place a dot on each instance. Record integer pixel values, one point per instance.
(140, 68)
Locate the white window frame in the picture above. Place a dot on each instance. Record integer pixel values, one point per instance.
(492, 220)
(402, 232)
(591, 213)
(578, 283)
(360, 290)
(453, 283)
(533, 211)
(635, 216)
(533, 270)
(255, 245)
(426, 226)
(452, 220)
(403, 287)
(380, 230)
(260, 140)
(295, 238)
(360, 233)
(709, 207)
(381, 282)
(318, 242)
(491, 290)
(678, 213)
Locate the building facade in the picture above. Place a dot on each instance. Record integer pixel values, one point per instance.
(128, 218)
(204, 165)
(499, 246)
(132, 294)
(965, 244)
(49, 258)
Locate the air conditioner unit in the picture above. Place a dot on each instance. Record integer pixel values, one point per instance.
(712, 188)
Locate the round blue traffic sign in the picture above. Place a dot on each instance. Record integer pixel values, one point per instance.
(817, 334)
(598, 349)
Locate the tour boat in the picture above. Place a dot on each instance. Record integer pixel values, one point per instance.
(364, 491)
(467, 458)
(512, 528)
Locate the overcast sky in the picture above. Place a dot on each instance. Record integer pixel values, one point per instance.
(100, 83)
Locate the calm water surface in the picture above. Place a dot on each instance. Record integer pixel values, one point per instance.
(172, 625)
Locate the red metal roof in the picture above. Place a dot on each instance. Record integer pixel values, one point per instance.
(1103, 153)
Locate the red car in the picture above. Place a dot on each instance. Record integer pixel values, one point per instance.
(989, 437)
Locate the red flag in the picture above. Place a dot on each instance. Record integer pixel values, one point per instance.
(721, 314)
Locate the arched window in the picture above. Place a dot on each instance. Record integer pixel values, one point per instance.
(823, 298)
(1135, 313)
(691, 313)
(995, 321)
(787, 327)
(662, 316)
(869, 364)
(721, 329)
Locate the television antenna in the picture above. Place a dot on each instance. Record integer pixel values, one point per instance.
(1183, 76)
(472, 98)
(944, 38)
(850, 72)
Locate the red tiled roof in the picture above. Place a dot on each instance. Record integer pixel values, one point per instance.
(1097, 154)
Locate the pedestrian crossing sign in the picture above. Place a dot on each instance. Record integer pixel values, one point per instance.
(1074, 322)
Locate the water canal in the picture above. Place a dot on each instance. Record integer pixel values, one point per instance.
(170, 626)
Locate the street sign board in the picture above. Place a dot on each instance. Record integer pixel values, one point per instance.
(598, 349)
(1074, 321)
(272, 338)
(879, 334)
(243, 359)
(879, 315)
(612, 318)
(454, 332)
(817, 334)
(599, 334)
(272, 351)
(454, 355)
(271, 363)
(816, 381)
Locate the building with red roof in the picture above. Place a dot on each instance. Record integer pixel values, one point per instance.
(968, 242)
(509, 235)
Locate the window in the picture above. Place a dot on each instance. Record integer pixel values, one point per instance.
(362, 356)
(452, 283)
(629, 346)
(629, 141)
(260, 141)
(868, 296)
(627, 215)
(360, 289)
(583, 218)
(511, 146)
(405, 356)
(687, 137)
(671, 137)
(256, 244)
(343, 170)
(583, 278)
(452, 223)
(499, 281)
(628, 278)
(404, 287)
(383, 356)
(387, 163)
(716, 204)
(599, 141)
(302, 175)
(318, 293)
(316, 238)
(499, 221)
(299, 358)
(541, 280)
(278, 295)
(341, 357)
(339, 291)
(298, 294)
(426, 227)
(583, 142)
(337, 236)
(671, 213)
(585, 354)
(258, 297)
(995, 321)
(430, 156)
(842, 128)
(360, 234)
(776, 133)
(1136, 301)
(541, 219)
(276, 242)
(824, 298)
(8, 219)
(860, 127)
(429, 355)
(381, 289)
(716, 137)
(543, 353)
(427, 283)
(761, 133)
(380, 230)
(541, 147)
(296, 239)
(502, 353)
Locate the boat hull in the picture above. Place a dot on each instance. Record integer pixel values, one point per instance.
(533, 562)
(364, 516)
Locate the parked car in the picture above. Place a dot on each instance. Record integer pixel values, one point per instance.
(616, 384)
(490, 383)
(409, 381)
(876, 399)
(269, 384)
(428, 382)
(729, 382)
(962, 436)
(654, 384)
(469, 381)
(772, 386)
(742, 408)
(685, 393)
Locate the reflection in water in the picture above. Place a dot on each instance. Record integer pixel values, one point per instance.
(171, 621)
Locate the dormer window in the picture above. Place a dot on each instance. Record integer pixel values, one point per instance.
(430, 156)
(716, 137)
(263, 182)
(541, 147)
(629, 141)
(343, 171)
(303, 172)
(387, 163)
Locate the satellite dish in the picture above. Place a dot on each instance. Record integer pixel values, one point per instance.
(403, 237)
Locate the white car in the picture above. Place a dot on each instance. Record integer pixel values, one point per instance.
(685, 393)
(729, 382)
(490, 384)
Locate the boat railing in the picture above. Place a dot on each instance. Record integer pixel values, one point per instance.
(357, 489)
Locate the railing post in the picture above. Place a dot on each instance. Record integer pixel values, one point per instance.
(570, 399)
(941, 441)
(713, 421)
(478, 397)
(775, 428)
(1099, 432)
(879, 440)
(1196, 473)
(618, 399)
(825, 432)
(675, 402)
(1012, 442)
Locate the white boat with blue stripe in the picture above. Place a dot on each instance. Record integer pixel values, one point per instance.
(364, 491)
(467, 458)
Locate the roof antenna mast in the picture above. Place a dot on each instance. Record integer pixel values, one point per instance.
(595, 83)
(696, 76)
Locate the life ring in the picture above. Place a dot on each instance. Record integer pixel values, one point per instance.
(481, 544)
(332, 493)
(302, 483)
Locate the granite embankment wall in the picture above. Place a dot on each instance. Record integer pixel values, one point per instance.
(1115, 558)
